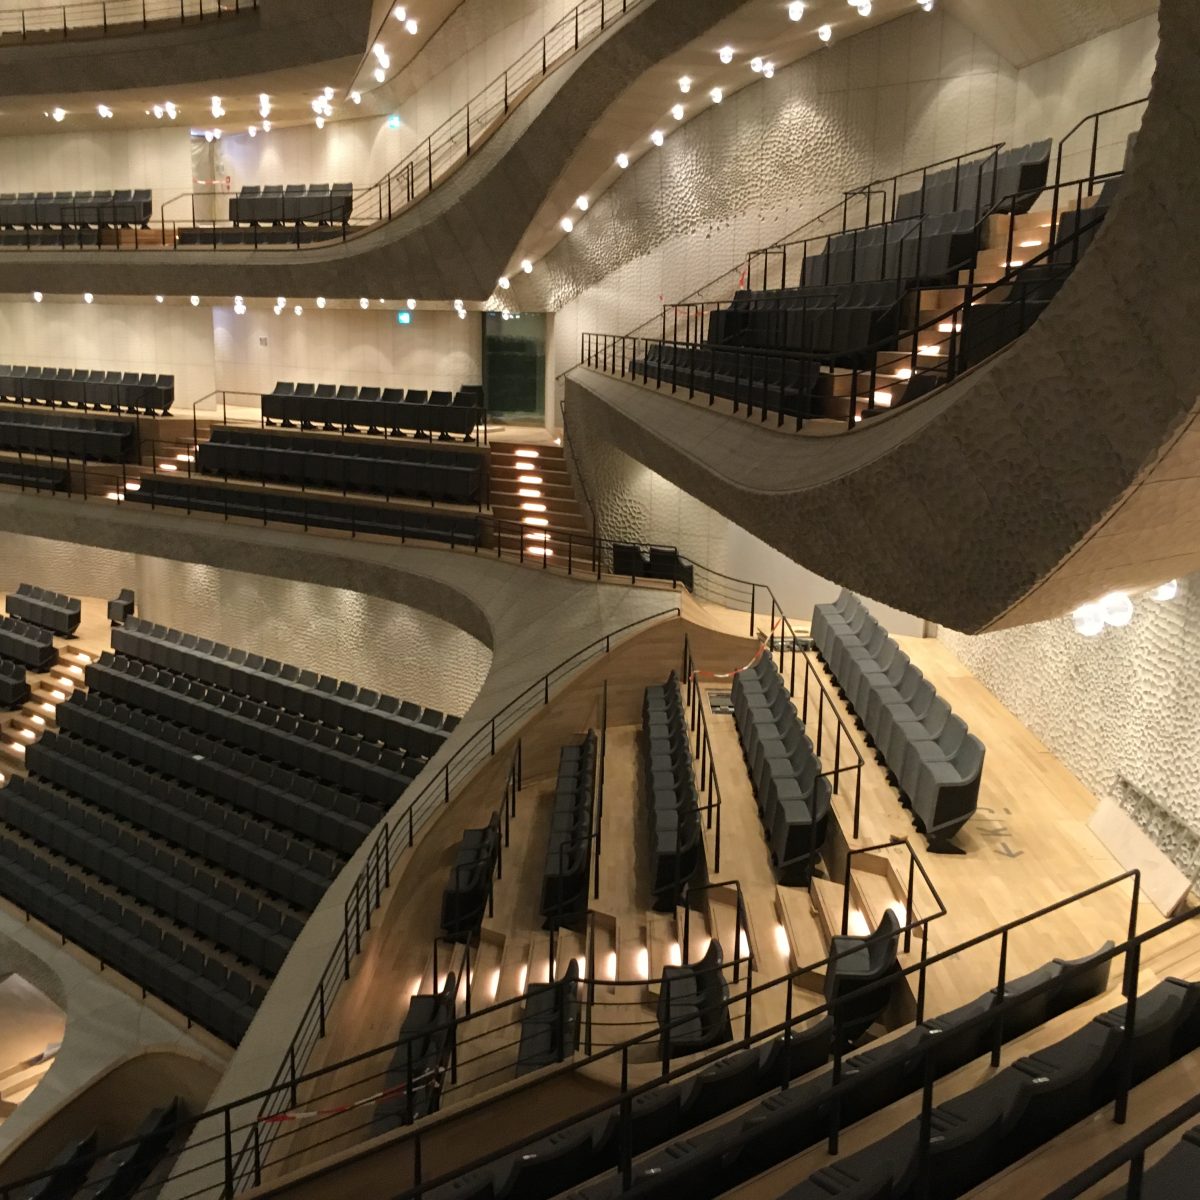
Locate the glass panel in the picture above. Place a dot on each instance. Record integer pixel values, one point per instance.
(514, 365)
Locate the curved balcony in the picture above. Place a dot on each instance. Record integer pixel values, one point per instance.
(1058, 469)
(454, 242)
(104, 46)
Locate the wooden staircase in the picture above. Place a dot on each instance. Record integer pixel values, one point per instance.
(23, 727)
(531, 492)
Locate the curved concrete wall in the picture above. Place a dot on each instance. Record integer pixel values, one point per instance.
(281, 34)
(454, 243)
(960, 507)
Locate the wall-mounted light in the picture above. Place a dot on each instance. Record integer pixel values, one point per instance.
(567, 224)
(217, 108)
(658, 137)
(796, 10)
(264, 104)
(825, 33)
(363, 302)
(159, 299)
(677, 112)
(194, 301)
(504, 282)
(756, 65)
(1163, 593)
(299, 310)
(768, 70)
(413, 304)
(320, 301)
(685, 84)
(37, 297)
(57, 114)
(104, 111)
(623, 160)
(356, 97)
(527, 266)
(582, 204)
(88, 297)
(716, 95)
(725, 54)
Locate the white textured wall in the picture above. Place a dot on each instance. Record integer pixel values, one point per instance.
(367, 349)
(477, 44)
(163, 339)
(636, 504)
(1124, 704)
(53, 158)
(1055, 94)
(369, 641)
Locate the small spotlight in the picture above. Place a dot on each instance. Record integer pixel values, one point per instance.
(37, 297)
(825, 33)
(320, 301)
(725, 54)
(657, 137)
(504, 282)
(363, 302)
(796, 10)
(88, 297)
(677, 112)
(411, 304)
(195, 301)
(717, 95)
(623, 160)
(567, 224)
(527, 266)
(685, 84)
(582, 204)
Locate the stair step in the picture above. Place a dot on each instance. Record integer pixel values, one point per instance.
(827, 898)
(805, 936)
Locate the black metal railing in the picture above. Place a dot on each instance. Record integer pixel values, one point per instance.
(92, 17)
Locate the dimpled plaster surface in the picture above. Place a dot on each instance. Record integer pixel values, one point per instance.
(1121, 706)
(957, 507)
(457, 240)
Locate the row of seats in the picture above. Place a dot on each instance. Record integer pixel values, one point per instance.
(293, 508)
(1005, 182)
(550, 1022)
(253, 850)
(934, 761)
(111, 391)
(693, 1005)
(395, 469)
(757, 378)
(339, 760)
(51, 610)
(33, 432)
(80, 1170)
(106, 209)
(412, 1082)
(153, 874)
(215, 236)
(14, 688)
(376, 410)
(670, 782)
(704, 1165)
(569, 845)
(835, 321)
(39, 476)
(924, 249)
(469, 889)
(652, 562)
(400, 725)
(978, 1134)
(292, 203)
(126, 936)
(793, 796)
(317, 811)
(27, 644)
(1174, 1174)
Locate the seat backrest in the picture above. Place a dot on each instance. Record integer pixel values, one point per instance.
(968, 760)
(952, 736)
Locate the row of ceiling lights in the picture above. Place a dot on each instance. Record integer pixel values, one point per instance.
(383, 60)
(239, 303)
(1116, 609)
(726, 54)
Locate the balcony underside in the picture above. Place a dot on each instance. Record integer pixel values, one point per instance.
(1065, 467)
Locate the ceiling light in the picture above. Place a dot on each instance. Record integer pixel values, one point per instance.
(504, 282)
(582, 204)
(685, 84)
(264, 104)
(356, 97)
(88, 297)
(725, 54)
(158, 112)
(299, 310)
(278, 309)
(171, 110)
(217, 134)
(253, 131)
(320, 301)
(864, 8)
(58, 113)
(195, 301)
(159, 299)
(400, 13)
(768, 70)
(717, 95)
(327, 92)
(1162, 593)
(104, 111)
(379, 51)
(239, 307)
(825, 33)
(1089, 620)
(363, 302)
(217, 108)
(796, 10)
(411, 304)
(657, 137)
(208, 135)
(756, 65)
(380, 76)
(37, 297)
(281, 301)
(458, 304)
(622, 160)
(527, 266)
(927, 5)
(677, 112)
(1117, 609)
(266, 127)
(567, 224)
(320, 122)
(411, 26)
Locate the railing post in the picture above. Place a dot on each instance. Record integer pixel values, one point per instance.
(228, 1154)
(998, 1040)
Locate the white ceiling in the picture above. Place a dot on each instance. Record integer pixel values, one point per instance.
(1026, 31)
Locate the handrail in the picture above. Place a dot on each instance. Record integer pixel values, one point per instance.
(92, 16)
(914, 864)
